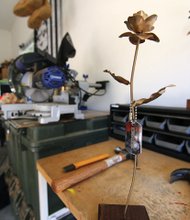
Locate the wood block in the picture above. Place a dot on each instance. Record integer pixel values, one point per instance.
(113, 212)
(188, 104)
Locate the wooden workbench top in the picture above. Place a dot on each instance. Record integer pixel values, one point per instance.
(163, 201)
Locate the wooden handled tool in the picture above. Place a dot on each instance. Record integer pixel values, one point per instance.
(82, 163)
(71, 178)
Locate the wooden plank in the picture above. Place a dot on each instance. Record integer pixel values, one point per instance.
(152, 188)
(116, 212)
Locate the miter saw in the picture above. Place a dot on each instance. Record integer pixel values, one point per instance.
(34, 77)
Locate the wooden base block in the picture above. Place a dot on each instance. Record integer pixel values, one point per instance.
(116, 212)
(188, 104)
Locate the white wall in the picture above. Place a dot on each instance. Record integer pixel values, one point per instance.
(5, 45)
(20, 34)
(10, 40)
(95, 26)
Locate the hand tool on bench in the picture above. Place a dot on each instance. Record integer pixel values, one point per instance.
(70, 178)
(82, 163)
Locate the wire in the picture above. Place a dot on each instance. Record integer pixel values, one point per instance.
(89, 93)
(131, 186)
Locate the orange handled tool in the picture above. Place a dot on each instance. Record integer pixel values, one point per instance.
(71, 178)
(82, 163)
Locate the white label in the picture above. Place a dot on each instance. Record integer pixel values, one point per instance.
(113, 160)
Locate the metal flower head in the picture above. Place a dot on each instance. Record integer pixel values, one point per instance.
(141, 26)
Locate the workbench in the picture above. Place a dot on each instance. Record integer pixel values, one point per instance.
(27, 141)
(152, 188)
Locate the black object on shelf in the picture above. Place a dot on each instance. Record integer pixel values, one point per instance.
(165, 129)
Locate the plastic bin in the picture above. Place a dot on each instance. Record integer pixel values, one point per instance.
(169, 142)
(141, 119)
(179, 126)
(148, 137)
(155, 122)
(28, 144)
(120, 117)
(187, 145)
(118, 129)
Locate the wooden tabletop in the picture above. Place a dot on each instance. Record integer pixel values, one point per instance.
(152, 188)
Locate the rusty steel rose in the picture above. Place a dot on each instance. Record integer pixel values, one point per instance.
(141, 26)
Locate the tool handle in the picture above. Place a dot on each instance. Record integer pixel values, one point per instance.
(79, 164)
(69, 179)
(91, 160)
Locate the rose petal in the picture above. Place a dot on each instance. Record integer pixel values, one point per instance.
(126, 34)
(142, 14)
(149, 22)
(133, 38)
(149, 36)
(135, 23)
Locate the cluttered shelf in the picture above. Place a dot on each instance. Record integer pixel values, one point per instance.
(165, 129)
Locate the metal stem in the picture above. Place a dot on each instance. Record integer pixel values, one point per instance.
(131, 186)
(132, 77)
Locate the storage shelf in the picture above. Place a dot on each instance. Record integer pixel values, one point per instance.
(165, 129)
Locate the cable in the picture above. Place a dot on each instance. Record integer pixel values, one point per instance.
(90, 94)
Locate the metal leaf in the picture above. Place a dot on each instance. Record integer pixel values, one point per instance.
(120, 79)
(133, 38)
(149, 36)
(152, 97)
(126, 34)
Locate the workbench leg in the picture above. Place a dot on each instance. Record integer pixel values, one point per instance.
(43, 197)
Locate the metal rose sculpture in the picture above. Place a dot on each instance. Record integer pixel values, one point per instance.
(140, 27)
